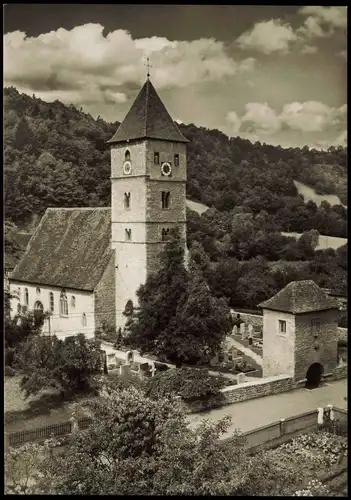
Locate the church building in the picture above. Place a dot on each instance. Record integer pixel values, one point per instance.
(83, 264)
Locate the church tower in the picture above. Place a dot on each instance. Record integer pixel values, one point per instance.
(148, 199)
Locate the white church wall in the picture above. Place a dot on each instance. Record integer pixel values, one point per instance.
(59, 325)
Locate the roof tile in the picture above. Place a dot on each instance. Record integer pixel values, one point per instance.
(70, 248)
(300, 297)
(148, 119)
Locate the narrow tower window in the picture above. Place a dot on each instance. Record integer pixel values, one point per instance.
(164, 234)
(52, 303)
(127, 201)
(165, 199)
(63, 304)
(282, 326)
(127, 155)
(156, 158)
(128, 234)
(176, 160)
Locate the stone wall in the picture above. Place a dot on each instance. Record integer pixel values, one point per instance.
(339, 373)
(257, 388)
(278, 348)
(342, 333)
(105, 297)
(245, 391)
(320, 347)
(255, 320)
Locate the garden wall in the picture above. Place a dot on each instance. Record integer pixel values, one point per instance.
(257, 388)
(255, 320)
(244, 391)
(339, 373)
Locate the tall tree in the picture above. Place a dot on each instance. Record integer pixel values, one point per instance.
(139, 446)
(200, 325)
(158, 298)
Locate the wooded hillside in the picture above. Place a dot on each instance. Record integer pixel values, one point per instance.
(56, 155)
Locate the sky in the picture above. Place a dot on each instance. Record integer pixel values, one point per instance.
(274, 74)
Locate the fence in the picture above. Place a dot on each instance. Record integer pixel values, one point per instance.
(268, 436)
(273, 435)
(40, 434)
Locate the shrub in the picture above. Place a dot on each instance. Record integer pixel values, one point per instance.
(9, 356)
(9, 371)
(189, 383)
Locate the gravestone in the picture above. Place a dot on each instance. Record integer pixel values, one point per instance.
(250, 328)
(124, 369)
(153, 369)
(214, 361)
(130, 357)
(235, 330)
(143, 370)
(241, 378)
(242, 330)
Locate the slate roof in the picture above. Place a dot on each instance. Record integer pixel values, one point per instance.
(148, 119)
(70, 248)
(300, 297)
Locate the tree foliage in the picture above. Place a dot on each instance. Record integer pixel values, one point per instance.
(66, 365)
(188, 383)
(178, 317)
(139, 446)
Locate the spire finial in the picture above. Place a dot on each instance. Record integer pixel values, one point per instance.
(148, 65)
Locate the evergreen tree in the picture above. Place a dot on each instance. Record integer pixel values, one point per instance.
(159, 297)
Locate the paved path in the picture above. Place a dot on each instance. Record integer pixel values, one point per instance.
(255, 413)
(248, 352)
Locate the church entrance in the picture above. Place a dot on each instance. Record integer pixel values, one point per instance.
(314, 376)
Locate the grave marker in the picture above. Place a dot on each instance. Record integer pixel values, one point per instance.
(241, 378)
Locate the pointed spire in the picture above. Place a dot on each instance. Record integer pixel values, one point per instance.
(148, 119)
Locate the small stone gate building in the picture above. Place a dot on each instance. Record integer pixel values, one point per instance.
(300, 333)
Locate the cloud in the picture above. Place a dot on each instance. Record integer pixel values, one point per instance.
(261, 119)
(310, 116)
(234, 122)
(309, 49)
(82, 65)
(268, 37)
(322, 21)
(276, 36)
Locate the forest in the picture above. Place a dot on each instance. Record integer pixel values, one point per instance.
(56, 156)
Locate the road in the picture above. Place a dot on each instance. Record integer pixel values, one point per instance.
(255, 413)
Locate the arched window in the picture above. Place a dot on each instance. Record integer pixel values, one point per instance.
(38, 313)
(84, 319)
(38, 291)
(63, 304)
(26, 297)
(52, 302)
(127, 201)
(73, 301)
(127, 155)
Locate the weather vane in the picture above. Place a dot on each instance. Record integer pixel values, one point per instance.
(148, 65)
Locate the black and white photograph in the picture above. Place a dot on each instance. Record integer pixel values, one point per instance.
(175, 249)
